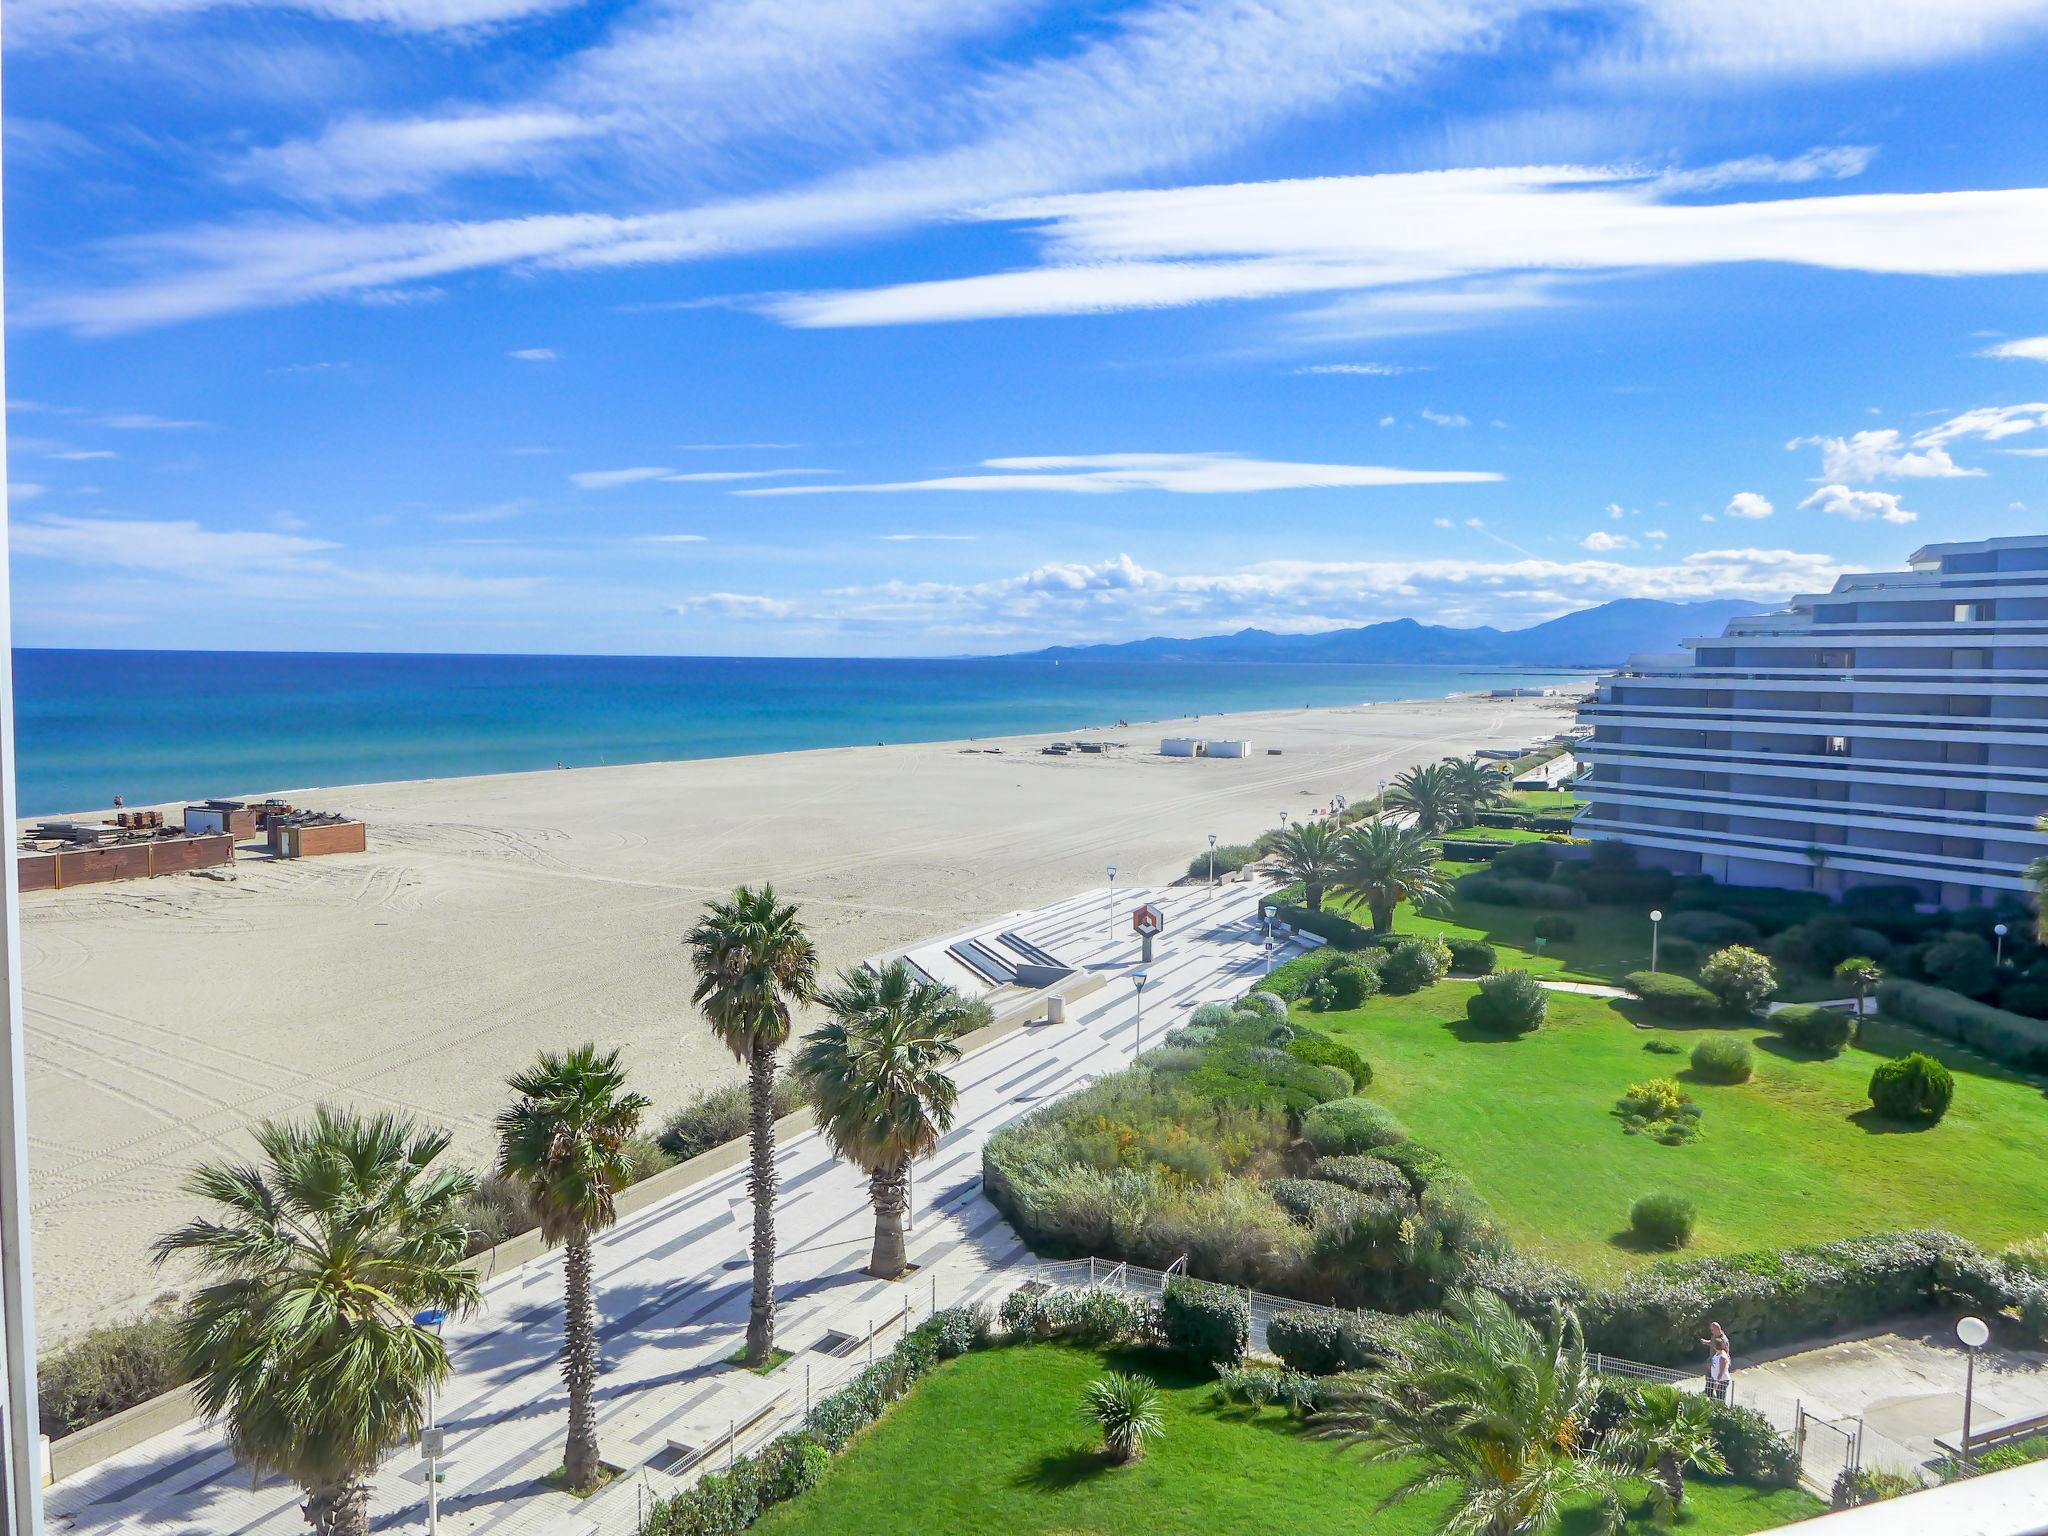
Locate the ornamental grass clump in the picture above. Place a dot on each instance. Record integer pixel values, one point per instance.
(1724, 1059)
(1660, 1109)
(1663, 1220)
(1128, 1410)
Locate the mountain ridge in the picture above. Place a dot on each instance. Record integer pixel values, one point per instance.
(1601, 636)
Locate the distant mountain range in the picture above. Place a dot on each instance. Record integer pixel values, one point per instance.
(1592, 637)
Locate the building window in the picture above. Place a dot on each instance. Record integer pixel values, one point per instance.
(1835, 661)
(1838, 746)
(1973, 613)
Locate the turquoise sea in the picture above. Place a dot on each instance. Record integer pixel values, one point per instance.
(167, 725)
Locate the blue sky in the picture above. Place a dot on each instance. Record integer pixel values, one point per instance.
(938, 326)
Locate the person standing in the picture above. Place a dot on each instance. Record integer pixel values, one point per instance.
(1720, 1371)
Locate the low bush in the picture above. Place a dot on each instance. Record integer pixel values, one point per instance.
(2005, 1037)
(1525, 861)
(1823, 1031)
(718, 1115)
(1260, 1386)
(1511, 891)
(107, 1369)
(1292, 979)
(1712, 929)
(1673, 997)
(1345, 987)
(1854, 1486)
(1740, 977)
(1210, 1324)
(1663, 1220)
(1264, 1077)
(1555, 929)
(1313, 1202)
(1376, 1176)
(1472, 957)
(2027, 998)
(1415, 964)
(1092, 1315)
(1724, 1059)
(1332, 928)
(1266, 1003)
(1752, 1447)
(1211, 1016)
(1347, 1126)
(496, 1212)
(2018, 1453)
(1227, 859)
(1318, 1342)
(1960, 962)
(1510, 1003)
(1660, 1109)
(1912, 1087)
(1326, 1052)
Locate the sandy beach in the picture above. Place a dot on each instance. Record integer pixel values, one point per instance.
(494, 916)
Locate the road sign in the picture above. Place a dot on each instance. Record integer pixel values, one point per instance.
(1148, 920)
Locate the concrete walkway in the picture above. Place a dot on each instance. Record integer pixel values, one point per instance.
(673, 1284)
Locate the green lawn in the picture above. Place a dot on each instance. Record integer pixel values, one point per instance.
(1791, 1156)
(1544, 802)
(995, 1442)
(1494, 835)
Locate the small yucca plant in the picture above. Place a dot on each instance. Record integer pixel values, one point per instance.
(1127, 1408)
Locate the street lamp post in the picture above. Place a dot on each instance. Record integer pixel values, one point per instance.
(1999, 930)
(1212, 858)
(1973, 1332)
(1138, 981)
(1112, 901)
(430, 1437)
(1656, 919)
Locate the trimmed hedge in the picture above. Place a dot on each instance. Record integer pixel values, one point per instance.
(1317, 1342)
(1331, 927)
(1367, 1174)
(1824, 1031)
(1344, 1127)
(1673, 997)
(1326, 1052)
(1473, 957)
(2011, 1038)
(1512, 891)
(1211, 1323)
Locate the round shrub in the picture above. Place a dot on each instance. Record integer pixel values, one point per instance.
(1323, 1343)
(1823, 1031)
(1472, 957)
(1724, 1059)
(1740, 977)
(1344, 1126)
(1555, 927)
(1663, 1220)
(1415, 964)
(1525, 861)
(1274, 1008)
(1910, 1087)
(1672, 997)
(1713, 929)
(1326, 1052)
(1313, 1201)
(1350, 986)
(1210, 1324)
(1368, 1175)
(1511, 1003)
(1211, 1015)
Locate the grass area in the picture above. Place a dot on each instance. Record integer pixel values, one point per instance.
(777, 1355)
(1495, 835)
(1792, 1156)
(1544, 802)
(996, 1442)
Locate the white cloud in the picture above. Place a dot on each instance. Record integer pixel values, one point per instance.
(926, 538)
(1443, 522)
(1444, 418)
(360, 158)
(24, 490)
(1188, 473)
(1601, 541)
(1859, 506)
(1989, 422)
(1616, 511)
(2033, 347)
(1655, 535)
(34, 22)
(610, 479)
(1083, 600)
(1815, 165)
(737, 605)
(142, 421)
(533, 354)
(674, 538)
(717, 476)
(1368, 370)
(1749, 505)
(1881, 455)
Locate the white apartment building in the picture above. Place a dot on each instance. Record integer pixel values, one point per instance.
(1892, 731)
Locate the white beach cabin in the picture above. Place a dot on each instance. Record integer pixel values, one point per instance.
(1182, 746)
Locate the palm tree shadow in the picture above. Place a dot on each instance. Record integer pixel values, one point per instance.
(1057, 1471)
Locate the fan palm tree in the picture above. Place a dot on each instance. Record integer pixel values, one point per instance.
(317, 1261)
(877, 1078)
(1307, 850)
(564, 1140)
(1384, 864)
(1476, 787)
(1479, 1401)
(1128, 1410)
(1430, 792)
(755, 964)
(1664, 1432)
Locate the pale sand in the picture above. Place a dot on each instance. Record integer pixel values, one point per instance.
(495, 916)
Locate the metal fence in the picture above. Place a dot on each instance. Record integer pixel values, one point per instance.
(1827, 1447)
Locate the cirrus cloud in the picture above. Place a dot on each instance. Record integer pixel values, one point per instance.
(1181, 473)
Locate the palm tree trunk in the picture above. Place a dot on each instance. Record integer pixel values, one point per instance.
(579, 1364)
(1382, 914)
(1673, 1471)
(888, 1192)
(340, 1509)
(761, 1186)
(1314, 893)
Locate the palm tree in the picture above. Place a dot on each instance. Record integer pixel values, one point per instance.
(877, 1078)
(1384, 865)
(1476, 787)
(1307, 850)
(1862, 973)
(755, 964)
(317, 1261)
(1430, 792)
(1664, 1432)
(1481, 1402)
(1127, 1409)
(565, 1140)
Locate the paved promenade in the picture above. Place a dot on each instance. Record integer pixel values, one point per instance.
(673, 1285)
